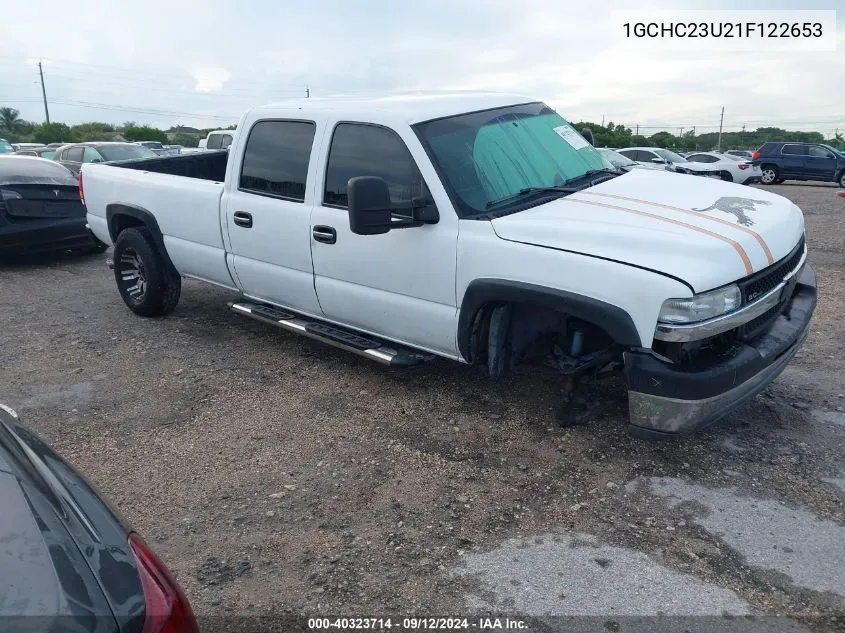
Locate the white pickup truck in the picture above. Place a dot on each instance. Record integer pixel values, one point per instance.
(477, 227)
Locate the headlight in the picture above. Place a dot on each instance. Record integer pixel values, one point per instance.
(702, 306)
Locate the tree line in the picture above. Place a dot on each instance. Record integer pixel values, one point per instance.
(16, 130)
(615, 135)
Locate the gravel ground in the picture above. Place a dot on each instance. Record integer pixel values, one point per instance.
(277, 475)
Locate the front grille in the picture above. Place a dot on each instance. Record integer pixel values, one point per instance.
(757, 285)
(756, 327)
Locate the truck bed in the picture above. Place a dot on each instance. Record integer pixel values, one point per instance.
(209, 165)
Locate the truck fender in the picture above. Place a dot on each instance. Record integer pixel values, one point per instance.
(120, 216)
(482, 292)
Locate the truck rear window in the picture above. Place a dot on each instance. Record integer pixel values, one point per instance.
(276, 159)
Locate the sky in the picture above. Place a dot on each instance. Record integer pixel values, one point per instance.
(202, 63)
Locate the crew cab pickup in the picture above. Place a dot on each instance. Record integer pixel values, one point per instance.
(477, 227)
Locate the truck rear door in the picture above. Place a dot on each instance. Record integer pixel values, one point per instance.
(267, 206)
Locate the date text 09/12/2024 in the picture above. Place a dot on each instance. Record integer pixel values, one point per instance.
(418, 624)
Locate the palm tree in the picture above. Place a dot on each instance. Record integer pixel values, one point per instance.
(10, 119)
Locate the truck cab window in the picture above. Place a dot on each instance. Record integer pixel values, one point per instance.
(225, 141)
(276, 159)
(214, 141)
(370, 150)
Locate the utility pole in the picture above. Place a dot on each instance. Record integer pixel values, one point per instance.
(602, 120)
(638, 129)
(721, 120)
(44, 93)
(742, 137)
(307, 92)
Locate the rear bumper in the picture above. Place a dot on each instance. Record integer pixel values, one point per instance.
(665, 400)
(60, 234)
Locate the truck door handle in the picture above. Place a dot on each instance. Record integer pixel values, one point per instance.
(244, 219)
(325, 234)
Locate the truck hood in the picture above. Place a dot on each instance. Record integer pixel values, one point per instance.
(703, 231)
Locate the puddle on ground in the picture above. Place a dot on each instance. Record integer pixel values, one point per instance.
(578, 576)
(770, 534)
(832, 417)
(74, 396)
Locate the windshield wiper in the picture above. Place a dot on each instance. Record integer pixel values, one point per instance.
(594, 172)
(527, 190)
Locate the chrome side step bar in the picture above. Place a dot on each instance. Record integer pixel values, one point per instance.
(374, 349)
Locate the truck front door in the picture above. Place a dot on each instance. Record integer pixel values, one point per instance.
(267, 208)
(400, 284)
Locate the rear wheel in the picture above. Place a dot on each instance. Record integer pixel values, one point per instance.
(841, 179)
(726, 176)
(143, 278)
(769, 175)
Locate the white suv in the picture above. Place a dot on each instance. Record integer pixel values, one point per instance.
(675, 162)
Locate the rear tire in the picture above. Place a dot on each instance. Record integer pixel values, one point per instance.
(726, 176)
(841, 179)
(769, 175)
(146, 284)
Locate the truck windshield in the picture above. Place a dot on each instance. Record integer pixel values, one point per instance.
(508, 153)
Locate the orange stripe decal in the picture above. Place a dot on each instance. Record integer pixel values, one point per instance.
(734, 225)
(736, 245)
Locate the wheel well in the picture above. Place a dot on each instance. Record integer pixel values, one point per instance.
(120, 217)
(504, 334)
(120, 222)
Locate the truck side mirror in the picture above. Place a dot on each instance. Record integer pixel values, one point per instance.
(368, 200)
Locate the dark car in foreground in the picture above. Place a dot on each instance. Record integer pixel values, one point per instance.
(799, 161)
(74, 156)
(40, 208)
(68, 561)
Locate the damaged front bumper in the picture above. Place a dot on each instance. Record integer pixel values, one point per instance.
(667, 399)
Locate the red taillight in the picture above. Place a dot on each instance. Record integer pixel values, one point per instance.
(755, 155)
(81, 192)
(743, 165)
(167, 610)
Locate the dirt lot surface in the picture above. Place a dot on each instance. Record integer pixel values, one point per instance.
(277, 475)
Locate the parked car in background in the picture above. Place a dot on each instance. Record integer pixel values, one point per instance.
(158, 148)
(731, 168)
(781, 161)
(40, 208)
(618, 161)
(55, 145)
(218, 139)
(742, 153)
(667, 158)
(69, 562)
(20, 146)
(76, 155)
(6, 147)
(39, 151)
